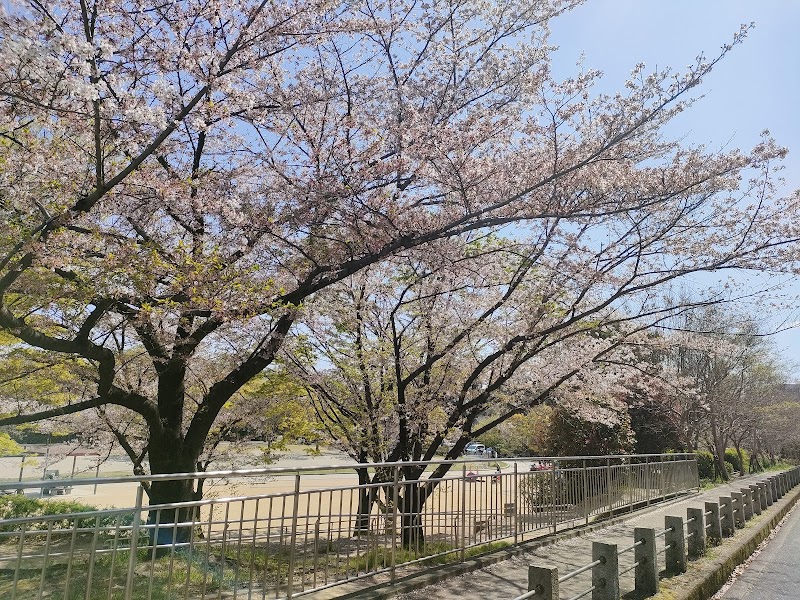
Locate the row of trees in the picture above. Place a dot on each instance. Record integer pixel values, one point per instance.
(395, 204)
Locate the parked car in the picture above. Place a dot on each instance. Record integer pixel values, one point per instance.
(475, 449)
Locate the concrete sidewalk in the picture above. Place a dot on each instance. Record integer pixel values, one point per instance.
(508, 579)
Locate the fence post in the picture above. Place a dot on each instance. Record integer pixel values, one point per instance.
(755, 494)
(712, 516)
(544, 580)
(293, 538)
(696, 531)
(646, 573)
(517, 504)
(726, 517)
(554, 518)
(134, 547)
(675, 545)
(770, 492)
(605, 576)
(663, 480)
(738, 508)
(463, 541)
(647, 477)
(608, 487)
(395, 522)
(762, 493)
(630, 485)
(585, 494)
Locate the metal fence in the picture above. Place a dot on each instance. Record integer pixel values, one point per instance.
(313, 528)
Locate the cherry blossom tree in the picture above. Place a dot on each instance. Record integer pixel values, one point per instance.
(449, 345)
(729, 373)
(179, 178)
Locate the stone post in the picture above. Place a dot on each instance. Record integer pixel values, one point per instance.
(755, 493)
(545, 581)
(747, 503)
(738, 508)
(713, 518)
(675, 544)
(726, 516)
(646, 573)
(605, 576)
(696, 532)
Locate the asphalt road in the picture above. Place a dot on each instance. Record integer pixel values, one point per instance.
(775, 573)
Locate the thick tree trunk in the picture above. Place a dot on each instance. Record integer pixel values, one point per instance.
(171, 525)
(366, 498)
(411, 504)
(412, 529)
(740, 454)
(719, 451)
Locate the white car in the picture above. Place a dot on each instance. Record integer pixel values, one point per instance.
(475, 448)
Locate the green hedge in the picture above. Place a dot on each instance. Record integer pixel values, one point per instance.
(16, 506)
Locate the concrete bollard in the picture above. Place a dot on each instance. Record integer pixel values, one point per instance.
(774, 483)
(696, 532)
(713, 519)
(755, 494)
(738, 509)
(646, 573)
(768, 493)
(726, 516)
(605, 576)
(747, 503)
(675, 544)
(544, 580)
(779, 481)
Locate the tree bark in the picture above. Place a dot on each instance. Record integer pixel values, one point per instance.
(366, 498)
(169, 455)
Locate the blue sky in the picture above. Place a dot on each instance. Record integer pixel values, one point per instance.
(756, 87)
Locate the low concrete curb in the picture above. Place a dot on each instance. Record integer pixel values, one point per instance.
(708, 574)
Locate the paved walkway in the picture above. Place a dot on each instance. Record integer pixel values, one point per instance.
(508, 579)
(775, 573)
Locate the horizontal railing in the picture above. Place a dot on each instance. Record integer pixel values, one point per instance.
(315, 527)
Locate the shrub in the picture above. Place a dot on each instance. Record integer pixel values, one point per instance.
(15, 506)
(705, 464)
(732, 458)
